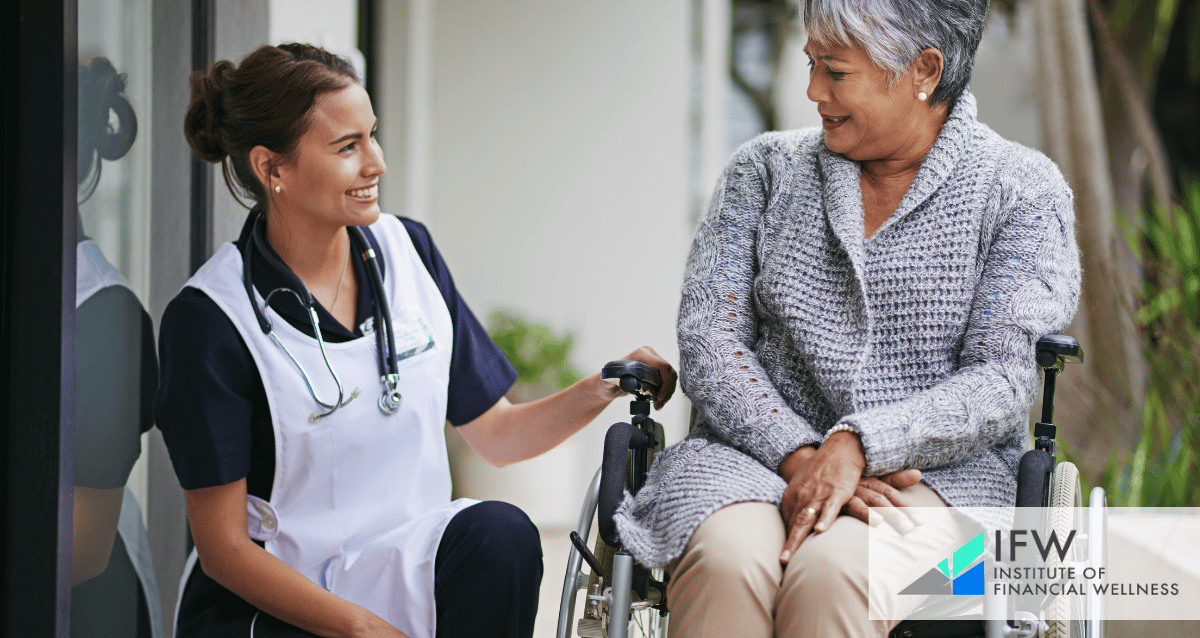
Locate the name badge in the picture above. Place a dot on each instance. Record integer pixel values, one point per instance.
(413, 335)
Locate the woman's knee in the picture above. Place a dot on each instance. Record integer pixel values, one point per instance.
(487, 573)
(829, 563)
(492, 537)
(740, 542)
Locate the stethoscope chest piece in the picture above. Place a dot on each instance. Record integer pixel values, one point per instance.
(391, 399)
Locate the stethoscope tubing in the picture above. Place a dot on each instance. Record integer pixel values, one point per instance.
(385, 334)
(389, 400)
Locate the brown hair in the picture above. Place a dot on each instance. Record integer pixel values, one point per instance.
(101, 93)
(264, 101)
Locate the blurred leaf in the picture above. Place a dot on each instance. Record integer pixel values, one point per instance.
(1191, 292)
(1138, 470)
(1186, 236)
(539, 356)
(1121, 15)
(1164, 18)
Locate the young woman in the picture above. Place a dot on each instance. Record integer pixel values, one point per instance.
(308, 369)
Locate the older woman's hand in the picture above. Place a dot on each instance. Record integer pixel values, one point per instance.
(883, 494)
(821, 483)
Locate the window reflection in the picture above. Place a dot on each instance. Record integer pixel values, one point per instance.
(115, 376)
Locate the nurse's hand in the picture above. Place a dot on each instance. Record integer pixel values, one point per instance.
(509, 433)
(648, 356)
(217, 516)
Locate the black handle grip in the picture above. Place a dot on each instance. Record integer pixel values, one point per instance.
(620, 439)
(587, 554)
(633, 376)
(1052, 347)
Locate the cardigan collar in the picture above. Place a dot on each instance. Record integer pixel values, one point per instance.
(843, 194)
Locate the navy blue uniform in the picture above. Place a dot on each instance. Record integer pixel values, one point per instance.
(212, 408)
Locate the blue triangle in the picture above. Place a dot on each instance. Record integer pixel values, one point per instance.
(970, 583)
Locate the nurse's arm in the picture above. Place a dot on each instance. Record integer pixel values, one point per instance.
(97, 512)
(217, 516)
(508, 433)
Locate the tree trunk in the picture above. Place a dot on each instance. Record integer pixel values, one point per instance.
(1102, 398)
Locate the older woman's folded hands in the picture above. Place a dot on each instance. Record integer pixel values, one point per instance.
(827, 481)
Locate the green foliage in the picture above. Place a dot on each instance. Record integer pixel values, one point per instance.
(540, 357)
(1170, 247)
(1164, 469)
(1163, 15)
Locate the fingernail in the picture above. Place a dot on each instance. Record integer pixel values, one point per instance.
(820, 527)
(785, 556)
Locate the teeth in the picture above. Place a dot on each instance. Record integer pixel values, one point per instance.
(365, 193)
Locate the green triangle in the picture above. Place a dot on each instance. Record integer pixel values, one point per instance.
(944, 567)
(967, 554)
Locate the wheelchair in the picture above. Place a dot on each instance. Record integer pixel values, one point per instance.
(624, 598)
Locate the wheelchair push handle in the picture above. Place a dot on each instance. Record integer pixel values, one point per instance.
(1053, 352)
(633, 377)
(1053, 348)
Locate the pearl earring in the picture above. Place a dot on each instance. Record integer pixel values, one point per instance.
(279, 188)
(920, 96)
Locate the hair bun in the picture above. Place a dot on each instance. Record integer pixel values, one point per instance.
(203, 126)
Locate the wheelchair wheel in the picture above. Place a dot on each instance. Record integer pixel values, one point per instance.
(592, 618)
(1097, 548)
(1067, 615)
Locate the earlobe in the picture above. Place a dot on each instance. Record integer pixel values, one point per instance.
(262, 160)
(929, 66)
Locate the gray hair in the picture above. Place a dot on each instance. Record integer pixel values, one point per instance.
(894, 32)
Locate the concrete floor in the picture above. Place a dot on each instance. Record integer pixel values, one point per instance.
(555, 549)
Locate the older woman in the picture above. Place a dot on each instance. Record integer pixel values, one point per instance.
(860, 301)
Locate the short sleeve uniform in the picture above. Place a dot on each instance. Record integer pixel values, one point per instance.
(115, 375)
(212, 406)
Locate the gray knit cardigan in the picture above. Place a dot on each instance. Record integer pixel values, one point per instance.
(922, 337)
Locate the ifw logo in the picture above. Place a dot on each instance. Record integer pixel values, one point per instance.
(959, 575)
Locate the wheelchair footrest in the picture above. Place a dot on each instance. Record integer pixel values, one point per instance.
(590, 628)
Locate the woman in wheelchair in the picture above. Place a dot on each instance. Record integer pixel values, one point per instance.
(308, 372)
(857, 329)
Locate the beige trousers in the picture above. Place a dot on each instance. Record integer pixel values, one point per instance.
(729, 581)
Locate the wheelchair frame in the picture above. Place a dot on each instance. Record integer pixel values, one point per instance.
(1041, 482)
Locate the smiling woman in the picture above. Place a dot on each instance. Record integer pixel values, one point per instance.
(856, 330)
(315, 512)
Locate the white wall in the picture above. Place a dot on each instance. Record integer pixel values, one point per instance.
(1005, 79)
(330, 24)
(558, 154)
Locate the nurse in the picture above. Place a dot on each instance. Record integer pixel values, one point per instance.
(307, 371)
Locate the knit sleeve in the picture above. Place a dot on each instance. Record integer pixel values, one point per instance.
(1029, 287)
(718, 325)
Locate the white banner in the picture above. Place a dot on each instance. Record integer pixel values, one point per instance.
(1065, 564)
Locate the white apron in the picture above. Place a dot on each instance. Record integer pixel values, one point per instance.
(360, 498)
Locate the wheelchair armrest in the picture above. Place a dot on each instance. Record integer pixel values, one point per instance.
(621, 438)
(1051, 348)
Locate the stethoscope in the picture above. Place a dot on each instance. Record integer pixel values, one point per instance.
(390, 399)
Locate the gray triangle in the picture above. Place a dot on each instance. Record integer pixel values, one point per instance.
(934, 582)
